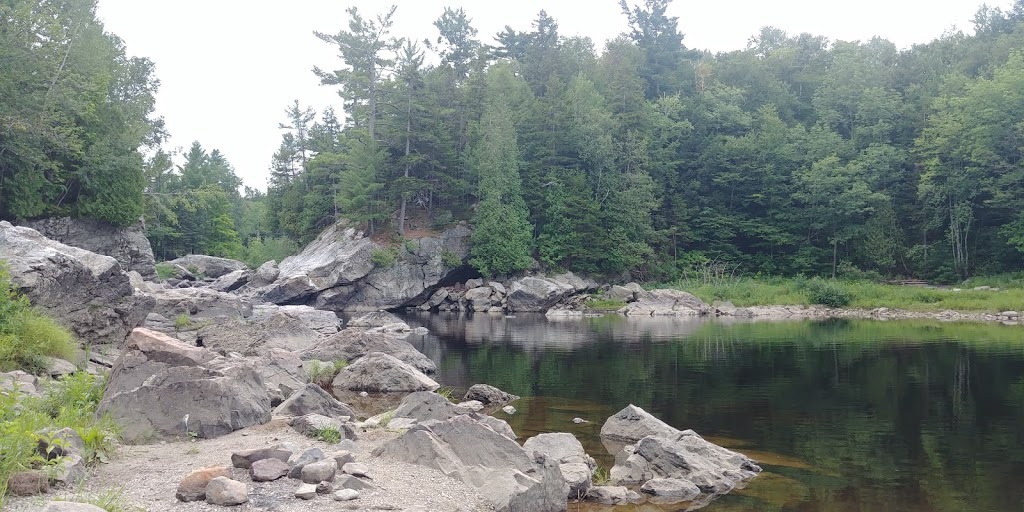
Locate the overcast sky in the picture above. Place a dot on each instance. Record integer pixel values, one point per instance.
(229, 68)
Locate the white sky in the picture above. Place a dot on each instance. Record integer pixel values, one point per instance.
(229, 68)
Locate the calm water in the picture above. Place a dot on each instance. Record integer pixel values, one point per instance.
(843, 415)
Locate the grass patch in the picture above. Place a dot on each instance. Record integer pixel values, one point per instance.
(601, 476)
(447, 393)
(182, 322)
(323, 374)
(386, 257)
(27, 336)
(603, 304)
(745, 292)
(329, 435)
(111, 501)
(386, 418)
(165, 271)
(450, 259)
(70, 402)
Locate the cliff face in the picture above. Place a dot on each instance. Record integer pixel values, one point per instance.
(337, 271)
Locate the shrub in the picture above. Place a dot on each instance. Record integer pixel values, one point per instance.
(410, 246)
(447, 393)
(262, 250)
(827, 293)
(450, 259)
(329, 435)
(26, 336)
(182, 322)
(322, 374)
(165, 271)
(385, 257)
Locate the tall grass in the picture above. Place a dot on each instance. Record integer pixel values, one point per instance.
(745, 292)
(70, 402)
(26, 336)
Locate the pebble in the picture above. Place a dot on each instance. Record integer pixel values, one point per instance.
(306, 491)
(579, 420)
(355, 469)
(509, 409)
(346, 495)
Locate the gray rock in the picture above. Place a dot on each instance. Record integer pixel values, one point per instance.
(209, 266)
(632, 424)
(343, 457)
(374, 319)
(319, 471)
(87, 292)
(200, 304)
(666, 302)
(264, 275)
(356, 484)
(474, 283)
(346, 495)
(310, 424)
(351, 344)
(24, 382)
(687, 456)
(258, 335)
(471, 405)
(356, 469)
(339, 256)
(401, 423)
(613, 495)
(307, 457)
(70, 506)
(267, 470)
(231, 281)
(246, 458)
(622, 293)
(535, 293)
(497, 467)
(671, 488)
(306, 492)
(479, 298)
(193, 486)
(128, 245)
(579, 421)
(312, 399)
(381, 372)
(487, 394)
(560, 447)
(426, 405)
(160, 387)
(500, 426)
(324, 488)
(497, 287)
(54, 443)
(283, 374)
(578, 477)
(323, 322)
(56, 367)
(225, 492)
(508, 409)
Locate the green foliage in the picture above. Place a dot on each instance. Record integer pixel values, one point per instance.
(26, 336)
(112, 500)
(182, 322)
(323, 374)
(447, 393)
(384, 257)
(828, 293)
(70, 402)
(601, 476)
(604, 304)
(329, 435)
(165, 271)
(450, 259)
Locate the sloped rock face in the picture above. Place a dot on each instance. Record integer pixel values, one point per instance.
(336, 271)
(352, 344)
(87, 292)
(666, 302)
(539, 293)
(382, 373)
(512, 479)
(128, 245)
(160, 388)
(257, 336)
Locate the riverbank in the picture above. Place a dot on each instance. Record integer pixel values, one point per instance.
(860, 299)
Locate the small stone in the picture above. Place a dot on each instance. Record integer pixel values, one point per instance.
(245, 458)
(355, 469)
(320, 471)
(267, 470)
(343, 457)
(28, 483)
(308, 457)
(579, 420)
(346, 495)
(306, 491)
(324, 488)
(226, 492)
(356, 484)
(364, 394)
(472, 405)
(193, 486)
(509, 409)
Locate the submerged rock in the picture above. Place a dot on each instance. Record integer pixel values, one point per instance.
(487, 394)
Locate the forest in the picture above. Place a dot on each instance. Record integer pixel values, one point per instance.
(642, 158)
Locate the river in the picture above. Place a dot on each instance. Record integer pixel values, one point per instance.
(842, 415)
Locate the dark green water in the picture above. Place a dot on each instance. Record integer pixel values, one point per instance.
(843, 415)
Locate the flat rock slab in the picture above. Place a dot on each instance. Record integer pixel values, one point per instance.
(226, 492)
(346, 495)
(267, 470)
(246, 458)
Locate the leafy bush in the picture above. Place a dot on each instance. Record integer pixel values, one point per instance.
(384, 257)
(26, 336)
(182, 322)
(165, 271)
(411, 246)
(450, 259)
(329, 435)
(828, 293)
(322, 374)
(262, 250)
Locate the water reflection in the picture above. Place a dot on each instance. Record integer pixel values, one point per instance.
(845, 415)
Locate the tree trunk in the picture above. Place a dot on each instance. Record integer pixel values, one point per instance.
(408, 136)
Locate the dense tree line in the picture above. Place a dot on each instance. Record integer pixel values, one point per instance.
(75, 111)
(795, 155)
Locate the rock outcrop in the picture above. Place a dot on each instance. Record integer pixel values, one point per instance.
(487, 394)
(666, 302)
(87, 292)
(257, 336)
(380, 372)
(128, 245)
(311, 399)
(352, 343)
(538, 293)
(499, 469)
(209, 266)
(336, 271)
(632, 424)
(160, 388)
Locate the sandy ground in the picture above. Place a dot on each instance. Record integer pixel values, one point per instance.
(147, 477)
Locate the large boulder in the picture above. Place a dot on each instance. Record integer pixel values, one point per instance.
(560, 447)
(128, 245)
(200, 304)
(231, 281)
(426, 405)
(351, 344)
(319, 320)
(487, 394)
(539, 293)
(312, 399)
(336, 271)
(500, 470)
(87, 292)
(383, 373)
(162, 388)
(283, 374)
(209, 266)
(256, 336)
(632, 424)
(686, 456)
(666, 302)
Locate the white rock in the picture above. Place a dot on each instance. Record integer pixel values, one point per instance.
(346, 495)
